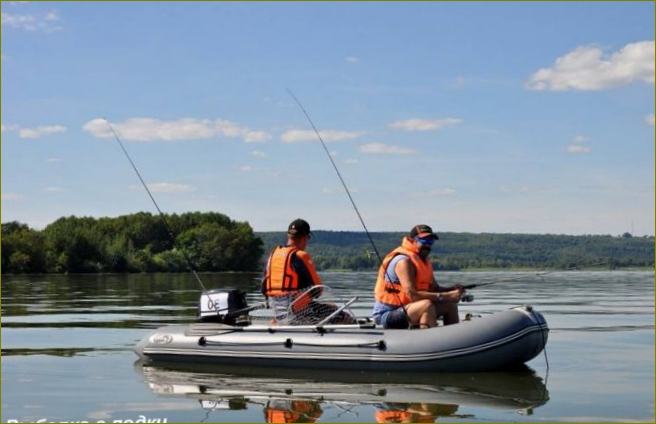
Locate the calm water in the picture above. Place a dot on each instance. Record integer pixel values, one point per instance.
(67, 356)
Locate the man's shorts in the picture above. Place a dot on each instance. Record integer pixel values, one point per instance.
(395, 318)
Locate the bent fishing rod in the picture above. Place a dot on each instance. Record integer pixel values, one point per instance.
(190, 265)
(348, 192)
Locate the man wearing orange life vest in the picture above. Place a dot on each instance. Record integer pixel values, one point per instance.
(290, 268)
(406, 292)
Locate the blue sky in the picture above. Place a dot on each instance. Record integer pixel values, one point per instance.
(504, 117)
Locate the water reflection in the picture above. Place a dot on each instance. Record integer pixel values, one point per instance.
(301, 395)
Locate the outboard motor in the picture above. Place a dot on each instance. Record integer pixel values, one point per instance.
(223, 307)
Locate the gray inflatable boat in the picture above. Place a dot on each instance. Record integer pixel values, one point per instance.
(493, 342)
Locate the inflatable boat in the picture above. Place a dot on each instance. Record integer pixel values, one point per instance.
(493, 342)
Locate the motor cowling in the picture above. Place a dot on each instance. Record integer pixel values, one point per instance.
(227, 307)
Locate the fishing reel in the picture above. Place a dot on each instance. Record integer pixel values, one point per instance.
(467, 298)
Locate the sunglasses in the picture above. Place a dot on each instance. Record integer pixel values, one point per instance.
(425, 241)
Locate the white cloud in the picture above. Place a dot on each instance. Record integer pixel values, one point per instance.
(649, 119)
(297, 136)
(579, 145)
(53, 189)
(245, 168)
(151, 129)
(41, 131)
(447, 191)
(256, 136)
(577, 148)
(164, 187)
(258, 154)
(51, 16)
(53, 160)
(417, 124)
(587, 68)
(352, 59)
(9, 127)
(385, 149)
(12, 196)
(351, 161)
(47, 22)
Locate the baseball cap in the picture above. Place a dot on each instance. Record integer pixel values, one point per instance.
(299, 227)
(423, 230)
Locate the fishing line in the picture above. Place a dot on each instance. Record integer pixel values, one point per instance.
(192, 268)
(537, 274)
(348, 192)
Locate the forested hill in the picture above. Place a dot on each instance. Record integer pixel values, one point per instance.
(140, 242)
(352, 250)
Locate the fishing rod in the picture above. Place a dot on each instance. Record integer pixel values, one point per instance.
(191, 266)
(348, 193)
(332, 161)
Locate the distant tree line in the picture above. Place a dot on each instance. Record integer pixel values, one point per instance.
(455, 251)
(213, 242)
(131, 243)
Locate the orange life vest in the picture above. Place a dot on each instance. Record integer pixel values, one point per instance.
(280, 278)
(392, 416)
(280, 416)
(297, 411)
(390, 292)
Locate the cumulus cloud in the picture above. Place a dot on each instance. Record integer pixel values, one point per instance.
(579, 145)
(164, 187)
(417, 124)
(44, 22)
(385, 149)
(649, 119)
(40, 131)
(298, 136)
(256, 136)
(587, 68)
(258, 154)
(151, 129)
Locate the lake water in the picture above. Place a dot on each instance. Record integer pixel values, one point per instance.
(67, 356)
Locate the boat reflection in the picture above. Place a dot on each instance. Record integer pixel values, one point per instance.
(301, 395)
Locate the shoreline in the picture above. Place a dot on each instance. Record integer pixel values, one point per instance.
(466, 270)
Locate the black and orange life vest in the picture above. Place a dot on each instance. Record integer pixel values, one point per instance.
(280, 278)
(391, 292)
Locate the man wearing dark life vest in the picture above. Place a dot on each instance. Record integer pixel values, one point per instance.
(406, 291)
(290, 268)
